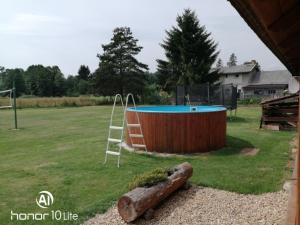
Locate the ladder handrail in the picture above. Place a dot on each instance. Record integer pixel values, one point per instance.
(110, 124)
(137, 116)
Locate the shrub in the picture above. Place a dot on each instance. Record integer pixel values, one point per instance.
(150, 178)
(165, 98)
(152, 96)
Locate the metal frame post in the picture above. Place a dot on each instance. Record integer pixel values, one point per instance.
(176, 95)
(15, 105)
(208, 96)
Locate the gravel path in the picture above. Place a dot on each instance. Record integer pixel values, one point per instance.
(207, 206)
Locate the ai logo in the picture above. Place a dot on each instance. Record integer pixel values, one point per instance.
(44, 199)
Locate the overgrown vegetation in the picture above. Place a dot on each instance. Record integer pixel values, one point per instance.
(149, 178)
(33, 102)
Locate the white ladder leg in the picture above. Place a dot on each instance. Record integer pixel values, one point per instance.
(111, 127)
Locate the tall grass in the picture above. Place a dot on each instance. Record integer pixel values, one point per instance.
(45, 102)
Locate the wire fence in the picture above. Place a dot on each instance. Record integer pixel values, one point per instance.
(206, 94)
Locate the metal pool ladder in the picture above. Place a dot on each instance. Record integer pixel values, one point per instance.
(134, 125)
(111, 140)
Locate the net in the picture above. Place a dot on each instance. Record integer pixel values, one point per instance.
(6, 99)
(205, 94)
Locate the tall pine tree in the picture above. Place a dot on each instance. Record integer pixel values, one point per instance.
(219, 64)
(84, 72)
(190, 53)
(232, 60)
(118, 69)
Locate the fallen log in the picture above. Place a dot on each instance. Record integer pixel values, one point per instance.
(136, 202)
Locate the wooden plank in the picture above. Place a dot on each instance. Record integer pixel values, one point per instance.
(280, 119)
(281, 110)
(283, 104)
(288, 18)
(274, 127)
(292, 202)
(298, 176)
(294, 106)
(290, 42)
(279, 99)
(181, 132)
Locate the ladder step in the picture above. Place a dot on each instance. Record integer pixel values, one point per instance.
(133, 125)
(116, 128)
(113, 153)
(114, 140)
(138, 146)
(136, 135)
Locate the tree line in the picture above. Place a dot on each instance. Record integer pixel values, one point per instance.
(189, 50)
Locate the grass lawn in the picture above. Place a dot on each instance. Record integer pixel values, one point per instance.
(62, 151)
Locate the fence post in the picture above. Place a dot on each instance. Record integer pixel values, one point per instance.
(223, 101)
(208, 97)
(176, 95)
(184, 95)
(15, 105)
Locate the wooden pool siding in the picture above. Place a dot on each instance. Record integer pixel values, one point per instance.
(180, 132)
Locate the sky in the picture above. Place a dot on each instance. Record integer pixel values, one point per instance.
(69, 33)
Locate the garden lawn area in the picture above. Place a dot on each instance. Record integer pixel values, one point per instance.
(61, 150)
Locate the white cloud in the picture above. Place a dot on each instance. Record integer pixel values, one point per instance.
(29, 24)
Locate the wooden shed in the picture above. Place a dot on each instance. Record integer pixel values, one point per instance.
(280, 113)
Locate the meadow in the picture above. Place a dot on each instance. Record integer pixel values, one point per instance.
(61, 150)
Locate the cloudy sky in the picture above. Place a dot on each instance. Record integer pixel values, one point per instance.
(69, 33)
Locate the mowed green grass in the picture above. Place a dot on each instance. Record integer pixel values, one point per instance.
(62, 151)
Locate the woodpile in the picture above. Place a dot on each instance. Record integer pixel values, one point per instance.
(280, 113)
(142, 200)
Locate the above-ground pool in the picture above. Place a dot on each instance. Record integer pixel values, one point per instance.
(179, 129)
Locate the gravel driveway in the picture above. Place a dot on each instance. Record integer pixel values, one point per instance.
(207, 206)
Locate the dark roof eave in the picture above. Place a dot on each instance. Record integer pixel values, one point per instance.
(265, 85)
(243, 8)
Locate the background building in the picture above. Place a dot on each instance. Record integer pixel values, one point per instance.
(252, 82)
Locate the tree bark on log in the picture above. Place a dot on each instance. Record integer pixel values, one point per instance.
(134, 203)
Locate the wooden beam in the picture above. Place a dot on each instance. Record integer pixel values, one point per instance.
(280, 118)
(298, 167)
(296, 64)
(293, 53)
(290, 40)
(292, 202)
(281, 110)
(286, 20)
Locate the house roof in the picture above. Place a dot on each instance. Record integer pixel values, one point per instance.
(277, 24)
(244, 68)
(270, 77)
